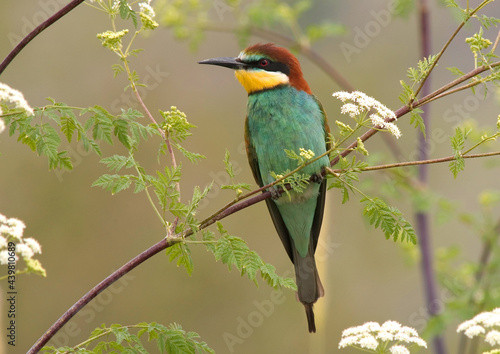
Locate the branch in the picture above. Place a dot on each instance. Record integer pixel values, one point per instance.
(73, 310)
(441, 52)
(423, 162)
(37, 31)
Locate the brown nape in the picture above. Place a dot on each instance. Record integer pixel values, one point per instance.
(283, 55)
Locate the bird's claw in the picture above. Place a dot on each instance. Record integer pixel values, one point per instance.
(317, 178)
(275, 193)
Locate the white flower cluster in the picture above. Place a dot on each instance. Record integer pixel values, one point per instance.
(356, 103)
(10, 95)
(11, 230)
(147, 15)
(372, 335)
(483, 324)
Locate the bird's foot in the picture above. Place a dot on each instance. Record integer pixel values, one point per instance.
(317, 178)
(275, 193)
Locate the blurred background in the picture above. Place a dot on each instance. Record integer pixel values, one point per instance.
(86, 232)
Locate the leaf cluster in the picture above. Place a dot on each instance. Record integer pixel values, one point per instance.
(129, 339)
(457, 144)
(237, 187)
(234, 251)
(389, 219)
(43, 133)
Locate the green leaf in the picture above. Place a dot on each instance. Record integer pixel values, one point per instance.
(457, 144)
(417, 121)
(117, 162)
(230, 250)
(228, 164)
(456, 71)
(389, 219)
(121, 132)
(102, 124)
(114, 183)
(191, 156)
(68, 125)
(234, 251)
(182, 253)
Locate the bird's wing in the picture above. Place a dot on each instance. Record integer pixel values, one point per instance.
(279, 224)
(320, 205)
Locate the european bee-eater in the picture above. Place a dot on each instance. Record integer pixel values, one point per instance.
(284, 114)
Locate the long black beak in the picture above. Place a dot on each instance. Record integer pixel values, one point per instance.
(228, 62)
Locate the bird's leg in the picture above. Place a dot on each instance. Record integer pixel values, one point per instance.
(275, 192)
(317, 178)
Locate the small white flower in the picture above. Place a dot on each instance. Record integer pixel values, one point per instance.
(418, 341)
(16, 228)
(2, 123)
(473, 331)
(14, 222)
(493, 338)
(351, 109)
(24, 251)
(146, 9)
(3, 219)
(399, 349)
(402, 337)
(33, 244)
(5, 230)
(348, 341)
(371, 326)
(385, 336)
(380, 122)
(8, 94)
(4, 257)
(391, 326)
(342, 95)
(368, 342)
(465, 325)
(3, 242)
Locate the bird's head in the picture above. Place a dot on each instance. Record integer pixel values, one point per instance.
(263, 67)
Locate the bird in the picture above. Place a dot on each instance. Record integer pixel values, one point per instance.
(283, 114)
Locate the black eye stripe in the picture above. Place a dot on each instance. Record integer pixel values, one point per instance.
(271, 66)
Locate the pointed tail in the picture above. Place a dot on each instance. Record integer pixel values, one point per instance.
(308, 284)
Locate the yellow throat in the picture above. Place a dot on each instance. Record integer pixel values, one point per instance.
(257, 80)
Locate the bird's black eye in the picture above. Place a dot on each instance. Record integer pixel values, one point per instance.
(264, 62)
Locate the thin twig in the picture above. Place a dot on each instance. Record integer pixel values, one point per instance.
(422, 162)
(441, 52)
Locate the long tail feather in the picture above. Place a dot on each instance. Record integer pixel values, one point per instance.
(310, 318)
(308, 284)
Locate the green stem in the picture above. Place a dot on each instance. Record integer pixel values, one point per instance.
(165, 223)
(441, 52)
(493, 137)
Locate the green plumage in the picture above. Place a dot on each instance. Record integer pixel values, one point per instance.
(285, 118)
(283, 114)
